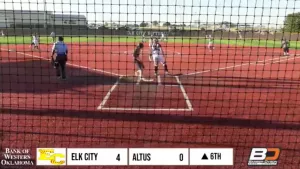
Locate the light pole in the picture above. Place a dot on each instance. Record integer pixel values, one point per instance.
(45, 15)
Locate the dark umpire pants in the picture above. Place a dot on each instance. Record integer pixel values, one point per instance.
(53, 39)
(60, 65)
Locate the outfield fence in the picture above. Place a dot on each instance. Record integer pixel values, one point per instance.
(178, 33)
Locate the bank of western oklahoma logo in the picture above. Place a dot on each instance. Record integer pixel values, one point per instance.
(51, 156)
(264, 156)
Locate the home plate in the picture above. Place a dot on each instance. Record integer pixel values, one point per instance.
(147, 80)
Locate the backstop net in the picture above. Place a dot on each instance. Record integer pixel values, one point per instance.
(149, 74)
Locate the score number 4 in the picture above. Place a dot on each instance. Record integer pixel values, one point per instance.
(118, 157)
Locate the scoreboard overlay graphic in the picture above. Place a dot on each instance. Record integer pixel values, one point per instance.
(135, 156)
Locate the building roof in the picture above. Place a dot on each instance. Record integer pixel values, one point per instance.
(24, 11)
(243, 24)
(53, 15)
(69, 16)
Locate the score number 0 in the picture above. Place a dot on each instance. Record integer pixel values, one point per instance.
(181, 157)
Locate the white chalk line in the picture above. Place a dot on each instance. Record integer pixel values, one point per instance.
(147, 80)
(70, 64)
(282, 60)
(233, 66)
(187, 100)
(158, 80)
(142, 109)
(286, 87)
(107, 96)
(105, 99)
(177, 53)
(75, 65)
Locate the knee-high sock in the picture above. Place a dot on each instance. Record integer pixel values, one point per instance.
(166, 67)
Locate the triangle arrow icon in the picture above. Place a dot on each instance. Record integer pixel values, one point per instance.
(204, 157)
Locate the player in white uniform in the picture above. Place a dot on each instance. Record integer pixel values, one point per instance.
(240, 35)
(162, 38)
(53, 36)
(143, 37)
(210, 45)
(150, 47)
(157, 57)
(35, 41)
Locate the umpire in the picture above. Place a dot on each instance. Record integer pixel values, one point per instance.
(61, 51)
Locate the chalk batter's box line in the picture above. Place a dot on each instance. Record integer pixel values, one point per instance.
(107, 96)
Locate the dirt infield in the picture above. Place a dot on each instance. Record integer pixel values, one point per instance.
(230, 97)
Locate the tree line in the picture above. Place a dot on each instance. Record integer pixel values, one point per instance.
(292, 23)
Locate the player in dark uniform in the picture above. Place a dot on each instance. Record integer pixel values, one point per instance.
(285, 45)
(138, 62)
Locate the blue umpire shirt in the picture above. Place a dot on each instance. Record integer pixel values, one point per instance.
(60, 48)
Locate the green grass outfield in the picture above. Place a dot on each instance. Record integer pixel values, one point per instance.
(185, 40)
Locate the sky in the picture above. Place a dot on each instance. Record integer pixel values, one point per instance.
(258, 12)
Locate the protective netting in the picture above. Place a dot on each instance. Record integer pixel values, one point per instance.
(227, 75)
